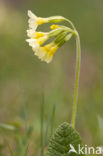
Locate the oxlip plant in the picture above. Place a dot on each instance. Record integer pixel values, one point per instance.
(44, 46)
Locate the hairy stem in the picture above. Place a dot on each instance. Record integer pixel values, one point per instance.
(78, 60)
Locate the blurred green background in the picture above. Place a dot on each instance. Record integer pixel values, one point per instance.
(23, 77)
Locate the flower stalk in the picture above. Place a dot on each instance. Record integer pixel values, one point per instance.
(77, 73)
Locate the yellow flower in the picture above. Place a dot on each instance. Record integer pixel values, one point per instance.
(59, 34)
(41, 40)
(33, 42)
(34, 21)
(36, 35)
(46, 53)
(54, 26)
(37, 38)
(39, 34)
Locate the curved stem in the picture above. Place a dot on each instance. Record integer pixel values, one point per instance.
(78, 58)
(70, 22)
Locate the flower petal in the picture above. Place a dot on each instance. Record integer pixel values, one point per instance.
(33, 43)
(32, 20)
(30, 33)
(31, 15)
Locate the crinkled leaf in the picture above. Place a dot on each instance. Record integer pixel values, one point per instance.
(63, 139)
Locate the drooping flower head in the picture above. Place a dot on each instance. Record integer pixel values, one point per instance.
(37, 40)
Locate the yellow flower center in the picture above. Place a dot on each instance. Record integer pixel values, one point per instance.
(41, 40)
(53, 50)
(40, 21)
(39, 34)
(54, 26)
(50, 49)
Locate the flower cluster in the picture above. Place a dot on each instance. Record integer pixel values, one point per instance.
(38, 40)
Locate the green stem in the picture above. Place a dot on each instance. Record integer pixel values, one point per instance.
(70, 22)
(78, 58)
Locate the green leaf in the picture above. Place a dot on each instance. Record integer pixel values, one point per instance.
(64, 137)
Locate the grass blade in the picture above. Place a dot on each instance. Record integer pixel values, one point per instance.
(9, 147)
(53, 119)
(50, 121)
